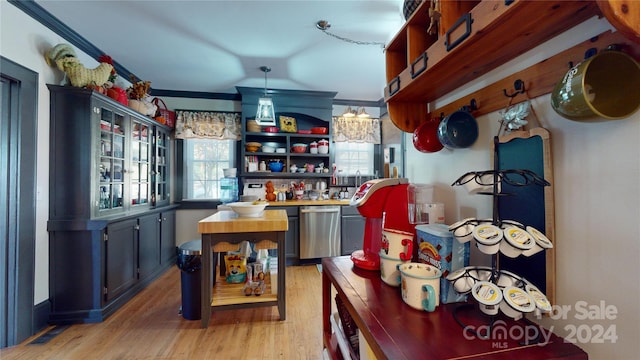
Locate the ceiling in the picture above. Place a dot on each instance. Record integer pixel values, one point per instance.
(214, 45)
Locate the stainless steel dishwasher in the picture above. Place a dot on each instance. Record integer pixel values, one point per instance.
(319, 231)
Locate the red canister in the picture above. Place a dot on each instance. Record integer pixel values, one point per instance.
(323, 146)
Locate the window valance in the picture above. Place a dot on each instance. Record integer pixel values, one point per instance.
(221, 125)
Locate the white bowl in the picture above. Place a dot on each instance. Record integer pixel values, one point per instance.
(268, 149)
(247, 209)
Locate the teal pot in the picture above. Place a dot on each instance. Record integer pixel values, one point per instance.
(605, 86)
(458, 130)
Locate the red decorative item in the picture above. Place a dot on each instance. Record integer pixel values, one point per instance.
(320, 130)
(168, 115)
(118, 94)
(271, 129)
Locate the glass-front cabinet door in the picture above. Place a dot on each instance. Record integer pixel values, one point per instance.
(140, 180)
(113, 132)
(160, 172)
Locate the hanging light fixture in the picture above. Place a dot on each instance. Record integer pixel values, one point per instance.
(324, 25)
(362, 113)
(348, 113)
(265, 116)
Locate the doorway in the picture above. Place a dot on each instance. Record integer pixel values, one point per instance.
(18, 135)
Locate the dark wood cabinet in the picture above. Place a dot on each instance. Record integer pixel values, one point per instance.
(168, 249)
(111, 225)
(351, 230)
(292, 236)
(121, 257)
(148, 244)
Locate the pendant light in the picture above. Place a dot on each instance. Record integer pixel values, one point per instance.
(265, 116)
(362, 113)
(348, 113)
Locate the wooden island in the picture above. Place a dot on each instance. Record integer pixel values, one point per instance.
(225, 230)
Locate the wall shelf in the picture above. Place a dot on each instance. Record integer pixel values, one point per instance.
(539, 79)
(498, 33)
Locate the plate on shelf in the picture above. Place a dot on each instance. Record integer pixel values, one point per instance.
(304, 131)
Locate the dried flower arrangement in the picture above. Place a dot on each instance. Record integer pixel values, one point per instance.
(139, 89)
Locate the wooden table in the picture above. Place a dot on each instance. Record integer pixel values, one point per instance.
(226, 229)
(394, 330)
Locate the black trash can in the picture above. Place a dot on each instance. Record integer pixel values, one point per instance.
(189, 261)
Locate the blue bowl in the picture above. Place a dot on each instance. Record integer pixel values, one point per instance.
(276, 166)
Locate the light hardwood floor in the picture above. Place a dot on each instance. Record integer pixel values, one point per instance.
(149, 327)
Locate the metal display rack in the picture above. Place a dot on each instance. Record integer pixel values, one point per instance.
(492, 274)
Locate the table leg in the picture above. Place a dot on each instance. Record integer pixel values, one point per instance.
(326, 304)
(281, 278)
(205, 299)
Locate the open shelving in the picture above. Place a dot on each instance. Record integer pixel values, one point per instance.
(421, 69)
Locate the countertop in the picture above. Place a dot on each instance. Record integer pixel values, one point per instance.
(227, 221)
(309, 202)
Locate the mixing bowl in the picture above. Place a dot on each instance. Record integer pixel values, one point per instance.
(248, 209)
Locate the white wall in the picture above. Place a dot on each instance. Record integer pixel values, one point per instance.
(597, 202)
(24, 41)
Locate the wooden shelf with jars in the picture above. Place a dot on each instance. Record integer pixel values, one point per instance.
(421, 67)
(312, 111)
(309, 160)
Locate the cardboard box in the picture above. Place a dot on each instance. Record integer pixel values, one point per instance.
(437, 246)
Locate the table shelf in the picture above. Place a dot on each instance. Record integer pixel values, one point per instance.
(224, 294)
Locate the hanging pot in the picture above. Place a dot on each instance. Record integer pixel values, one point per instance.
(425, 137)
(458, 130)
(602, 86)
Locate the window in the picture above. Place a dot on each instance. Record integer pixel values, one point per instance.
(352, 156)
(203, 161)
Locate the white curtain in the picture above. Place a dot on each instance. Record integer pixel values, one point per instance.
(356, 129)
(208, 125)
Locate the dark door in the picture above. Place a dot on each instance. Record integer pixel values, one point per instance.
(121, 257)
(168, 237)
(149, 244)
(18, 129)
